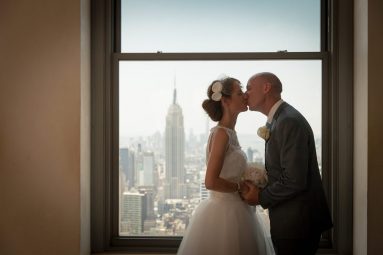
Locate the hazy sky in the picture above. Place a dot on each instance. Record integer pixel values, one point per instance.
(146, 92)
(146, 87)
(220, 25)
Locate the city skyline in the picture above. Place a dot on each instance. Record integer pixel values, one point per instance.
(146, 90)
(162, 178)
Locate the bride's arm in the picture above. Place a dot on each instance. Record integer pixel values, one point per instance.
(217, 149)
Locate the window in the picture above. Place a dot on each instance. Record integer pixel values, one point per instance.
(163, 132)
(150, 71)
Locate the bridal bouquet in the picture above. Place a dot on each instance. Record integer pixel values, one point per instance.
(256, 173)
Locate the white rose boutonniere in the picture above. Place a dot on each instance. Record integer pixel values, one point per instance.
(256, 173)
(264, 133)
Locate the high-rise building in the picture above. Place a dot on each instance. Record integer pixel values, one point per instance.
(175, 151)
(204, 193)
(250, 154)
(132, 213)
(149, 216)
(127, 166)
(146, 171)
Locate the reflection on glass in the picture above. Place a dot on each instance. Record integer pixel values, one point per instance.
(163, 133)
(220, 26)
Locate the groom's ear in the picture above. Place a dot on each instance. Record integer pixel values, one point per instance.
(267, 87)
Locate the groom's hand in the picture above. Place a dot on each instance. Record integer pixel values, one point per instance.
(243, 188)
(252, 195)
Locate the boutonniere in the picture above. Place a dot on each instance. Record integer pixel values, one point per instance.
(264, 132)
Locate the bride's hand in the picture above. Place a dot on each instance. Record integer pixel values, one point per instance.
(243, 188)
(252, 194)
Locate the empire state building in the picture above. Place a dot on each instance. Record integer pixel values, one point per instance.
(175, 151)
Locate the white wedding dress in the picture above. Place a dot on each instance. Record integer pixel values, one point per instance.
(223, 224)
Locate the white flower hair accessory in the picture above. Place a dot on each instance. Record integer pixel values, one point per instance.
(217, 91)
(264, 132)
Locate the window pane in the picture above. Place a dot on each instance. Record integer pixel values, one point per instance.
(163, 133)
(220, 26)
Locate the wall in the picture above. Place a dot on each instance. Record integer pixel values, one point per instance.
(375, 127)
(43, 108)
(368, 138)
(85, 128)
(44, 131)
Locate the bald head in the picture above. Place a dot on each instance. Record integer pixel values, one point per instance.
(276, 85)
(263, 90)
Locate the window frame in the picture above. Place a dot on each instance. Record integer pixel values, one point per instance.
(336, 120)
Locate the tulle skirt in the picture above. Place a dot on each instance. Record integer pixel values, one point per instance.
(225, 225)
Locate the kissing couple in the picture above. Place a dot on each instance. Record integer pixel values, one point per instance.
(225, 222)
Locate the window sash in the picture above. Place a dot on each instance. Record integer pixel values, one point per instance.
(170, 244)
(221, 56)
(105, 57)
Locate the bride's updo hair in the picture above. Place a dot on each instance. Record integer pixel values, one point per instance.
(214, 108)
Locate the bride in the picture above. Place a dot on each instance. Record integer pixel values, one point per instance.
(223, 223)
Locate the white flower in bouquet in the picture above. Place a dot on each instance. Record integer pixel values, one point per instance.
(256, 173)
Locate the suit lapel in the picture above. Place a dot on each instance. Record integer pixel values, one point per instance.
(272, 126)
(276, 114)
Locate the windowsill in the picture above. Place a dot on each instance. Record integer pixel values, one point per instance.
(132, 254)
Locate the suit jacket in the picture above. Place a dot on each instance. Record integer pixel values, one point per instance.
(294, 195)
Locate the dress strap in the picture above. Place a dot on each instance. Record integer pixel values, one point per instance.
(232, 134)
(212, 130)
(229, 131)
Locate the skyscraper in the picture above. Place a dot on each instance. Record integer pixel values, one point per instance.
(250, 154)
(175, 151)
(146, 172)
(132, 213)
(127, 166)
(204, 193)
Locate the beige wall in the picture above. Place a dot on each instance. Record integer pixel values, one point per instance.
(42, 85)
(85, 129)
(44, 131)
(368, 163)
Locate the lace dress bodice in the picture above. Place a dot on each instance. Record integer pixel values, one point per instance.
(235, 161)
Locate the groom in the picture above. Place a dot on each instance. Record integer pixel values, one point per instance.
(294, 195)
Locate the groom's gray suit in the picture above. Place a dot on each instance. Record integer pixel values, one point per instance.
(294, 195)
